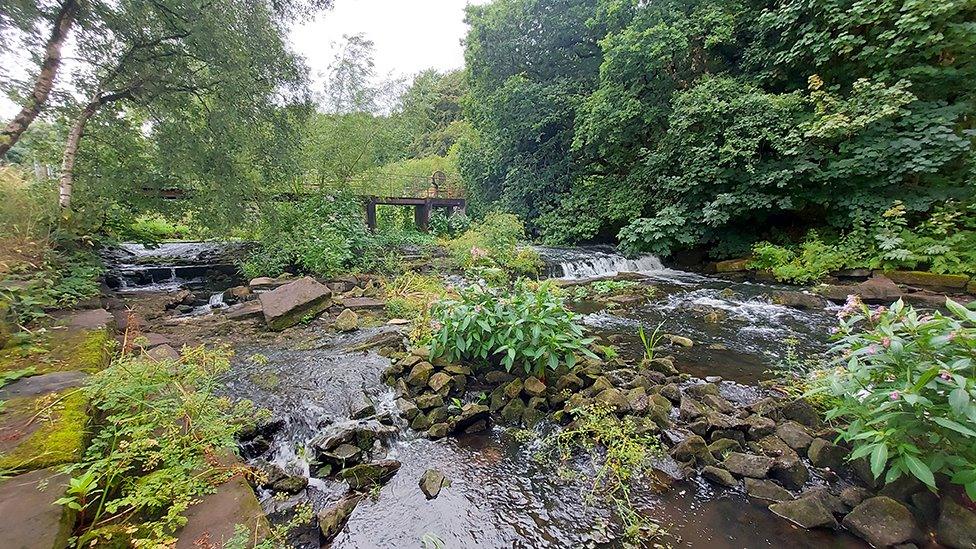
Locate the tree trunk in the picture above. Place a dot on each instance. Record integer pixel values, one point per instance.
(45, 80)
(71, 152)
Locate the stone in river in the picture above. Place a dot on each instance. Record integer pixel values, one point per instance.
(718, 476)
(347, 321)
(805, 512)
(882, 521)
(432, 481)
(957, 525)
(287, 305)
(767, 489)
(333, 519)
(823, 453)
(366, 475)
(747, 465)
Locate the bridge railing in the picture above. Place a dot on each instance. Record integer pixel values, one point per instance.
(392, 185)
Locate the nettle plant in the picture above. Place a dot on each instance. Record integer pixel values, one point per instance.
(906, 383)
(530, 327)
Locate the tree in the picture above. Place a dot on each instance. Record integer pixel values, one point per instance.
(26, 17)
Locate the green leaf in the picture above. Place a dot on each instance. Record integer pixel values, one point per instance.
(879, 458)
(959, 400)
(919, 469)
(958, 427)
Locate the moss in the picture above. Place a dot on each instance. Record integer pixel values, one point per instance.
(269, 381)
(62, 351)
(60, 439)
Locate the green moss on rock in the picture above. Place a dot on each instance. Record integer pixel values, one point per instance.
(922, 278)
(63, 351)
(61, 437)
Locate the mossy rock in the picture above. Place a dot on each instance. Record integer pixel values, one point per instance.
(926, 279)
(39, 432)
(64, 351)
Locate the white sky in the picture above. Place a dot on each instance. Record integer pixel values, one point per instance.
(409, 36)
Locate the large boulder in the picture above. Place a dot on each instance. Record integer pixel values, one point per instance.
(29, 518)
(799, 300)
(333, 519)
(366, 475)
(928, 280)
(823, 453)
(431, 483)
(287, 305)
(877, 289)
(748, 465)
(882, 522)
(957, 526)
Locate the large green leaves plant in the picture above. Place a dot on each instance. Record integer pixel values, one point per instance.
(531, 328)
(907, 385)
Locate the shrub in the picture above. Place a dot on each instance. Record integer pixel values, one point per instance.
(449, 226)
(494, 243)
(530, 328)
(906, 383)
(163, 427)
(812, 261)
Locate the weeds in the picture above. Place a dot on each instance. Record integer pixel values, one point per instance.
(650, 343)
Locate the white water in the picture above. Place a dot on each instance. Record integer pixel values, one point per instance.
(600, 262)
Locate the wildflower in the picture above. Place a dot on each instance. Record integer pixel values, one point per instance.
(850, 307)
(833, 330)
(894, 395)
(886, 342)
(436, 325)
(872, 349)
(944, 374)
(952, 335)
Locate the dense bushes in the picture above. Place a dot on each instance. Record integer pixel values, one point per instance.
(530, 329)
(495, 244)
(943, 242)
(682, 123)
(906, 386)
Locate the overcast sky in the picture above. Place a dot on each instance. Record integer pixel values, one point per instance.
(410, 36)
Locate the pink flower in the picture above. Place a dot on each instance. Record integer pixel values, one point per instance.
(850, 307)
(945, 375)
(478, 253)
(436, 325)
(894, 395)
(952, 335)
(872, 349)
(833, 330)
(886, 342)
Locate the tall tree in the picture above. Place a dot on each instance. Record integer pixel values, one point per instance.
(27, 17)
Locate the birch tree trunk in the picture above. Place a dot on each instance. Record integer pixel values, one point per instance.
(45, 80)
(71, 152)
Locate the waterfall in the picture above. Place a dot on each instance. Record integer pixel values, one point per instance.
(578, 263)
(217, 300)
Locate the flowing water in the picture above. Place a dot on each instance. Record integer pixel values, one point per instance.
(501, 496)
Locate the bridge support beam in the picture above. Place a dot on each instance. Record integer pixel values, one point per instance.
(421, 216)
(371, 214)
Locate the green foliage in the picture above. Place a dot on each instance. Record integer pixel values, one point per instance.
(812, 261)
(495, 242)
(650, 343)
(162, 426)
(906, 385)
(530, 328)
(622, 453)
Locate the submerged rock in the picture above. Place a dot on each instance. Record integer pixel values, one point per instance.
(431, 483)
(805, 512)
(333, 519)
(366, 475)
(882, 521)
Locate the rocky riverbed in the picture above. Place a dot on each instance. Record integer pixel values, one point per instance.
(392, 448)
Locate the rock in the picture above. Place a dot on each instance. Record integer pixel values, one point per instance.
(362, 433)
(287, 305)
(733, 434)
(759, 426)
(513, 388)
(360, 303)
(533, 387)
(43, 384)
(421, 422)
(438, 381)
(805, 512)
(334, 518)
(852, 496)
(721, 447)
(829, 500)
(877, 290)
(826, 454)
(498, 377)
(438, 430)
(614, 398)
(267, 283)
(790, 472)
(347, 321)
(428, 401)
(799, 300)
(690, 449)
(956, 527)
(794, 435)
(28, 516)
(718, 404)
(291, 484)
(162, 353)
(638, 400)
(681, 341)
(570, 382)
(663, 365)
(882, 521)
(438, 415)
(420, 374)
(803, 413)
(342, 456)
(732, 265)
(512, 412)
(767, 489)
(718, 476)
(748, 465)
(431, 483)
(457, 370)
(928, 280)
(600, 384)
(471, 413)
(672, 392)
(701, 390)
(690, 409)
(408, 409)
(244, 311)
(366, 475)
